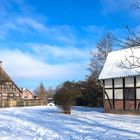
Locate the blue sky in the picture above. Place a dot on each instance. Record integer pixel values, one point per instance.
(49, 40)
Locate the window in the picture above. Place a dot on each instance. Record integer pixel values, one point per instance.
(129, 93)
(11, 95)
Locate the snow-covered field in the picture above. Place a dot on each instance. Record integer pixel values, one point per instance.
(46, 123)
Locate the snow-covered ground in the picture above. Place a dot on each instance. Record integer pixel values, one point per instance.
(46, 123)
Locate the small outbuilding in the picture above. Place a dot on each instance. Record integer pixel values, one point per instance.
(121, 81)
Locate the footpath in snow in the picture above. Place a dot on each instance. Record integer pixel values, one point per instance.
(46, 123)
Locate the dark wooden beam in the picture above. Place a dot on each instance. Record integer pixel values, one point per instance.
(113, 92)
(122, 87)
(104, 92)
(135, 102)
(108, 100)
(124, 93)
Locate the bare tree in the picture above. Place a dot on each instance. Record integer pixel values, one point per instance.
(41, 92)
(50, 92)
(104, 46)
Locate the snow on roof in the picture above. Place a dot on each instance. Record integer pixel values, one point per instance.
(112, 68)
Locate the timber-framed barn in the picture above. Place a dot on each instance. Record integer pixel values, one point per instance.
(121, 81)
(8, 89)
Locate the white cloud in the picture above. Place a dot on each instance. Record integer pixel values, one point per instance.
(28, 26)
(67, 52)
(24, 24)
(25, 66)
(26, 21)
(63, 33)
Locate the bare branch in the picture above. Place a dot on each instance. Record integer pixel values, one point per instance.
(131, 61)
(136, 4)
(132, 40)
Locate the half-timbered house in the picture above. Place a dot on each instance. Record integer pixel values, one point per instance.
(26, 94)
(8, 89)
(121, 81)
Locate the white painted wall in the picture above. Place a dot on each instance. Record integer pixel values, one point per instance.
(138, 93)
(118, 93)
(108, 83)
(118, 82)
(129, 81)
(109, 92)
(138, 81)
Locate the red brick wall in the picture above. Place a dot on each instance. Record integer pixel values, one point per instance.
(118, 104)
(107, 105)
(129, 105)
